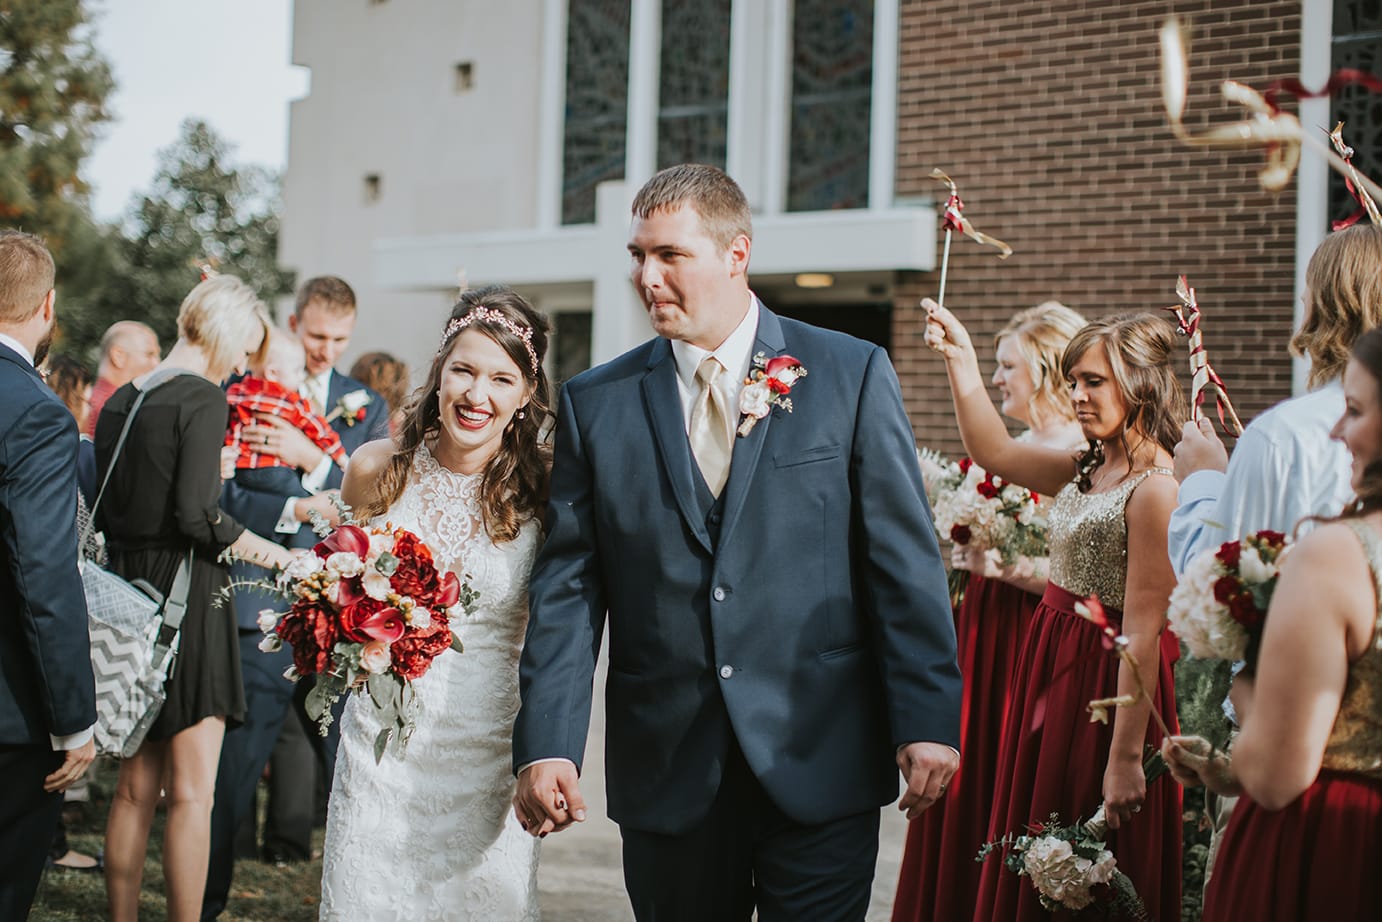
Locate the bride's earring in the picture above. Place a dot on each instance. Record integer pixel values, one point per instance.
(522, 414)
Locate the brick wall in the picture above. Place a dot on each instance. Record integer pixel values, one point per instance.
(1048, 115)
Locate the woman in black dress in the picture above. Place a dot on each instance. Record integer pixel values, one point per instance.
(162, 499)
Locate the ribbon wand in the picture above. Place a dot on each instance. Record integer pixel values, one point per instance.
(953, 219)
(1202, 374)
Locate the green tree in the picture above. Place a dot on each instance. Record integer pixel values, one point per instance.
(200, 208)
(53, 87)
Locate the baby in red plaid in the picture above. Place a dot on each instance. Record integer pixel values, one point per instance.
(271, 388)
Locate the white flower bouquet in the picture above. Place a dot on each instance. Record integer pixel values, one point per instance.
(1219, 606)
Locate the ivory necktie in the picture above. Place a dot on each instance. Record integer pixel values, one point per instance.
(710, 442)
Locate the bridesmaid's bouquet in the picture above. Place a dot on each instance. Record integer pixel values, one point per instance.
(1219, 606)
(1070, 866)
(971, 506)
(368, 612)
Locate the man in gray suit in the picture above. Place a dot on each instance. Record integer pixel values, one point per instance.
(781, 640)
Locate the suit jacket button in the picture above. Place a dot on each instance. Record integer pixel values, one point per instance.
(726, 671)
(719, 596)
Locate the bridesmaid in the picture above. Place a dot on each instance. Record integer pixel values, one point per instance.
(1107, 530)
(1306, 839)
(939, 877)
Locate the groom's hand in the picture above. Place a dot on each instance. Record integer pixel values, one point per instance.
(548, 798)
(927, 768)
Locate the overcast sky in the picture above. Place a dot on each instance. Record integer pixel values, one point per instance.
(224, 61)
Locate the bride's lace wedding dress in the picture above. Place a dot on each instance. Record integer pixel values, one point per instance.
(432, 835)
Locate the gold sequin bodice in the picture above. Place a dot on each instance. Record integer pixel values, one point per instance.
(1355, 743)
(1089, 539)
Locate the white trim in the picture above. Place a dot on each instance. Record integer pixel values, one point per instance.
(883, 105)
(645, 58)
(777, 93)
(1312, 176)
(551, 130)
(739, 126)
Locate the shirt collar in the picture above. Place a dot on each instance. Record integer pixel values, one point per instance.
(734, 353)
(17, 346)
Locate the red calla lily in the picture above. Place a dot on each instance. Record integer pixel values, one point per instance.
(384, 625)
(450, 590)
(774, 365)
(352, 539)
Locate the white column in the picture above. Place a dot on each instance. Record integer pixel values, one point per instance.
(777, 121)
(883, 110)
(619, 321)
(551, 114)
(1312, 176)
(743, 157)
(645, 47)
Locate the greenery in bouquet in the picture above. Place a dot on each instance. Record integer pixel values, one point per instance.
(1070, 865)
(367, 612)
(970, 506)
(1219, 607)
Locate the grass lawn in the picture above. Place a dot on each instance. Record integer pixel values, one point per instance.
(261, 892)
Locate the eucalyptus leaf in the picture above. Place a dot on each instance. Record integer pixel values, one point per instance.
(318, 701)
(386, 563)
(381, 742)
(381, 689)
(456, 643)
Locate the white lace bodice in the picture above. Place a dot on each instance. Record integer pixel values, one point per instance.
(431, 836)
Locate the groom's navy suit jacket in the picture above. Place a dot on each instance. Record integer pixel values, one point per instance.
(46, 685)
(806, 613)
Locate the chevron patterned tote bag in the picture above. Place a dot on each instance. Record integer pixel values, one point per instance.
(123, 620)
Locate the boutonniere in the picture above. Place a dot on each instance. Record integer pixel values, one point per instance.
(767, 386)
(351, 407)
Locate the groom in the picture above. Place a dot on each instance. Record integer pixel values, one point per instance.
(781, 639)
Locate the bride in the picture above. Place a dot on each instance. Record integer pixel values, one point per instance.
(431, 835)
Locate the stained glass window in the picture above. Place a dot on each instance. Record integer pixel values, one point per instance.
(1357, 44)
(694, 86)
(597, 96)
(832, 77)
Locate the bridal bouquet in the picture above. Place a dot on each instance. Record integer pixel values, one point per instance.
(1069, 865)
(1220, 605)
(971, 506)
(368, 612)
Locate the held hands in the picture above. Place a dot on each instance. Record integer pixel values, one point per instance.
(1199, 449)
(1125, 788)
(548, 798)
(945, 334)
(280, 438)
(1193, 761)
(927, 769)
(73, 766)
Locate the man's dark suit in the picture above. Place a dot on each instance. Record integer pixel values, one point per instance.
(268, 695)
(800, 625)
(46, 686)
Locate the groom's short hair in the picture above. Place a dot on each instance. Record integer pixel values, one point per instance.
(719, 201)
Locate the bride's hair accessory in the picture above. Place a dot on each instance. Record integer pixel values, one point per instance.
(498, 318)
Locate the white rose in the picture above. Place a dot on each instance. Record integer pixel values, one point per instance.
(302, 566)
(1012, 494)
(345, 564)
(375, 657)
(270, 644)
(353, 401)
(268, 618)
(755, 400)
(420, 618)
(378, 544)
(376, 585)
(1252, 569)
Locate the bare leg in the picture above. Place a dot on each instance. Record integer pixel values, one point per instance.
(192, 758)
(127, 829)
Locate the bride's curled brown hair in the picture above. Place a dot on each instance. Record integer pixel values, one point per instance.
(514, 487)
(1367, 352)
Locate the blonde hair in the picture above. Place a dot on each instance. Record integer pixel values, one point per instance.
(1040, 335)
(219, 316)
(1343, 299)
(717, 199)
(26, 275)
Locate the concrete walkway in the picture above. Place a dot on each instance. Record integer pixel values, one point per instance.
(580, 877)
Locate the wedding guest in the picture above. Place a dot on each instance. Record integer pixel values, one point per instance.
(389, 377)
(1107, 528)
(939, 877)
(161, 501)
(72, 382)
(1308, 760)
(47, 693)
(128, 349)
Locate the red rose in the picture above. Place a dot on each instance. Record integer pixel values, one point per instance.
(960, 534)
(360, 415)
(354, 617)
(965, 465)
(1225, 588)
(1274, 538)
(1034, 497)
(1228, 554)
(349, 538)
(1244, 611)
(777, 387)
(987, 489)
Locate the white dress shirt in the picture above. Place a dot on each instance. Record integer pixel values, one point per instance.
(1284, 469)
(734, 354)
(82, 737)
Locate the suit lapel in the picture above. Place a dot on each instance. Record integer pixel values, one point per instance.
(662, 403)
(748, 448)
